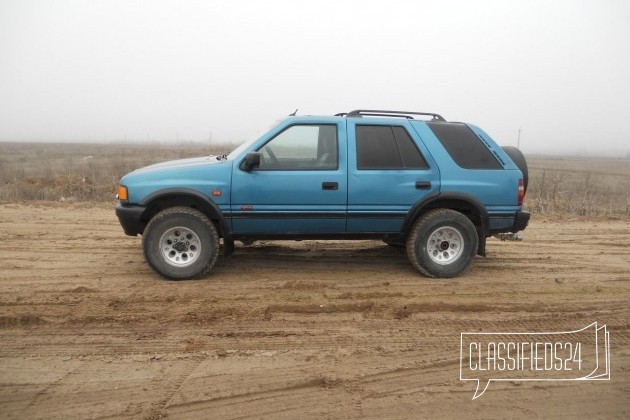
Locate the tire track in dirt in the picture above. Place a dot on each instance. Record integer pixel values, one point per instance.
(336, 329)
(174, 385)
(45, 395)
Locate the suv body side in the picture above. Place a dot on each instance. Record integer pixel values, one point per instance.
(343, 176)
(294, 202)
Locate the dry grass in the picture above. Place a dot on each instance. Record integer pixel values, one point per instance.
(80, 172)
(579, 186)
(90, 172)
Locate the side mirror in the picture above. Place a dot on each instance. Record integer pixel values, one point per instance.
(252, 161)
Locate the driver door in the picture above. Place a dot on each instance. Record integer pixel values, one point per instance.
(300, 186)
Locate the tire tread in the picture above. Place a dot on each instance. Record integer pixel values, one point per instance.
(419, 226)
(190, 212)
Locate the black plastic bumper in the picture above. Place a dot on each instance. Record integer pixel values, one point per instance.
(517, 221)
(130, 217)
(521, 219)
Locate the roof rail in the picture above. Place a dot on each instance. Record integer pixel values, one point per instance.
(400, 114)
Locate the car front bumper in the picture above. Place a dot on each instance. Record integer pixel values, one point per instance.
(130, 218)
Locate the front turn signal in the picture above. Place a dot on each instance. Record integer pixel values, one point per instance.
(122, 193)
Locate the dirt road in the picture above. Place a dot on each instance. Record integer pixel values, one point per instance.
(292, 329)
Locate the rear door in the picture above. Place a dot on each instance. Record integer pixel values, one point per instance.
(389, 170)
(300, 186)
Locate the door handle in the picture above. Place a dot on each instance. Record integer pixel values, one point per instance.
(423, 185)
(330, 186)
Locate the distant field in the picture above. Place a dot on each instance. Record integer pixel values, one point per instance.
(579, 185)
(80, 172)
(90, 172)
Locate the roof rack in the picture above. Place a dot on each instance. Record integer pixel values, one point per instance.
(380, 113)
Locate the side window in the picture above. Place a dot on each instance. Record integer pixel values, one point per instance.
(409, 153)
(301, 147)
(387, 147)
(465, 148)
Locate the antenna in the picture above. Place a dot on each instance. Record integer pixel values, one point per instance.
(294, 112)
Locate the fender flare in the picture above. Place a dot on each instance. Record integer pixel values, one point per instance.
(454, 201)
(208, 207)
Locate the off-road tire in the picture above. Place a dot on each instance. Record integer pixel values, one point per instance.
(181, 243)
(442, 243)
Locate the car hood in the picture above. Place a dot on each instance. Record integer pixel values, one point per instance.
(182, 163)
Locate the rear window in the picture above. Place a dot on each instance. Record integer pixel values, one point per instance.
(387, 147)
(464, 146)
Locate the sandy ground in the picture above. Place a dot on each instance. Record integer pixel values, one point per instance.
(292, 329)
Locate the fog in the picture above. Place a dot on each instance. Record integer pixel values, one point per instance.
(224, 71)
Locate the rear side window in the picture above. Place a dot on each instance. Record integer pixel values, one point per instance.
(387, 147)
(464, 146)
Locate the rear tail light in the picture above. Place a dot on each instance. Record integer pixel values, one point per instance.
(521, 192)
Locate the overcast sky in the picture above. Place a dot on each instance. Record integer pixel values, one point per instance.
(227, 70)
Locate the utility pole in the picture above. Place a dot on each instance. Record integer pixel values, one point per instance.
(518, 140)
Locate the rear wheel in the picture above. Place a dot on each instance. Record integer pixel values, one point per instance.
(181, 243)
(442, 243)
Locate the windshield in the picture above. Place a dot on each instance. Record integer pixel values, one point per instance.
(234, 153)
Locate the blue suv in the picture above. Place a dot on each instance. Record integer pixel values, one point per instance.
(411, 179)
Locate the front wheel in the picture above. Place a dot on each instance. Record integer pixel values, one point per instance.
(181, 243)
(442, 243)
